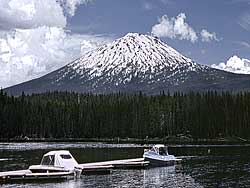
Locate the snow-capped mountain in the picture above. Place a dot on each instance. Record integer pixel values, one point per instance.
(133, 56)
(134, 63)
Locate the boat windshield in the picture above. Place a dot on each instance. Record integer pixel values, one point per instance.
(48, 160)
(65, 156)
(163, 151)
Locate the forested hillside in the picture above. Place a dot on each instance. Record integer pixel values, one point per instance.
(72, 115)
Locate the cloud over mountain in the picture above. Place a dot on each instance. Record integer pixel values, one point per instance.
(207, 36)
(174, 28)
(235, 65)
(25, 14)
(178, 28)
(33, 39)
(70, 6)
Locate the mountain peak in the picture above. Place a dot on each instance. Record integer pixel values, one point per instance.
(133, 34)
(132, 55)
(132, 63)
(139, 36)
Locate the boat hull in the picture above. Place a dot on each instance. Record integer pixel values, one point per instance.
(14, 176)
(157, 162)
(46, 169)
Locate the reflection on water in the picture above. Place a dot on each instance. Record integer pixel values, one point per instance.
(153, 177)
(223, 167)
(220, 171)
(168, 177)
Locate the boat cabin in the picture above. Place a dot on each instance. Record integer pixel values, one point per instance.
(60, 158)
(159, 149)
(56, 161)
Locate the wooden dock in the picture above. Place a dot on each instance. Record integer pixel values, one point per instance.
(87, 169)
(92, 169)
(27, 175)
(124, 164)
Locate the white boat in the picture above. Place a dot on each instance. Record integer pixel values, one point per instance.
(158, 156)
(57, 162)
(54, 165)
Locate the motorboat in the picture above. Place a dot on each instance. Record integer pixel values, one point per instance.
(158, 156)
(57, 165)
(54, 165)
(60, 161)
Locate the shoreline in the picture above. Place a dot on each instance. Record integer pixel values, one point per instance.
(176, 141)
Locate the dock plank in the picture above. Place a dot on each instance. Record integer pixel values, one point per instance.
(138, 162)
(15, 173)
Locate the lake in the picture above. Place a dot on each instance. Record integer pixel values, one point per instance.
(202, 166)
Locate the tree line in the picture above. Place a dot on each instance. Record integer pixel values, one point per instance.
(73, 115)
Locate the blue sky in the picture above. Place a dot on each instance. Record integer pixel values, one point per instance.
(118, 17)
(40, 36)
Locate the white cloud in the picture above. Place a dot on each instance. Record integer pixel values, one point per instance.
(70, 6)
(207, 36)
(174, 28)
(30, 14)
(244, 21)
(25, 14)
(34, 41)
(235, 65)
(243, 44)
(31, 53)
(178, 28)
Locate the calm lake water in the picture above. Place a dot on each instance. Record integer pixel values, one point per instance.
(221, 167)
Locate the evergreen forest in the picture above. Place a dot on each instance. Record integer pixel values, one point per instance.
(71, 115)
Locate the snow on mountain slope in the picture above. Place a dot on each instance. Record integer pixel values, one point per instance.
(134, 55)
(134, 63)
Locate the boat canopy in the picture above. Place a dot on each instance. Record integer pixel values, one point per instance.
(61, 158)
(159, 146)
(160, 149)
